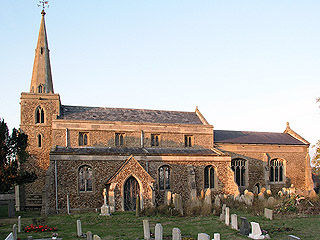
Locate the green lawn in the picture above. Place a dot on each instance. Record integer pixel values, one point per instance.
(125, 225)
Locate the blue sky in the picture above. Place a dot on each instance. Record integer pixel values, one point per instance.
(247, 65)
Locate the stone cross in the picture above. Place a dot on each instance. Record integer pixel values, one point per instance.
(79, 229)
(227, 218)
(14, 232)
(146, 230)
(158, 232)
(203, 236)
(234, 221)
(176, 234)
(89, 235)
(244, 227)
(19, 224)
(105, 196)
(216, 236)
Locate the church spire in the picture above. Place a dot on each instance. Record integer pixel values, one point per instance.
(41, 81)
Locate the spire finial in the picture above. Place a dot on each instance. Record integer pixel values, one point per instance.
(43, 4)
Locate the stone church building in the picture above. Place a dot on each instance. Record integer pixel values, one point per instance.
(78, 151)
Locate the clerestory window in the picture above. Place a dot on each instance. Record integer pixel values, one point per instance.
(119, 139)
(83, 138)
(188, 140)
(276, 170)
(155, 140)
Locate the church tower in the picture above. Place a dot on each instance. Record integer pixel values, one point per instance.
(38, 107)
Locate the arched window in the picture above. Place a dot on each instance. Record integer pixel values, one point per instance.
(209, 177)
(164, 178)
(276, 170)
(85, 179)
(39, 141)
(41, 88)
(83, 139)
(39, 115)
(238, 166)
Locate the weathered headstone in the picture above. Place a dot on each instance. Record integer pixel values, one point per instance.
(105, 210)
(227, 218)
(261, 196)
(234, 221)
(14, 232)
(137, 206)
(68, 204)
(9, 237)
(89, 235)
(96, 237)
(216, 236)
(255, 190)
(176, 234)
(268, 213)
(180, 205)
(217, 201)
(207, 198)
(263, 189)
(19, 224)
(203, 236)
(256, 231)
(202, 194)
(79, 229)
(244, 227)
(11, 209)
(146, 229)
(271, 201)
(292, 237)
(223, 212)
(168, 197)
(158, 232)
(141, 202)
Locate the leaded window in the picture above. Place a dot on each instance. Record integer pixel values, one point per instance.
(188, 140)
(209, 177)
(119, 139)
(238, 166)
(83, 139)
(39, 115)
(85, 179)
(155, 140)
(276, 170)
(164, 178)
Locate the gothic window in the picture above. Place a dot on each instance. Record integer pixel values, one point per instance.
(119, 139)
(39, 115)
(41, 89)
(39, 141)
(209, 177)
(83, 139)
(85, 179)
(238, 166)
(188, 140)
(276, 170)
(164, 178)
(155, 140)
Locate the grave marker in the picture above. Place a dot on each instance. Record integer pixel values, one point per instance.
(96, 237)
(227, 218)
(79, 229)
(14, 232)
(268, 213)
(244, 227)
(292, 237)
(158, 232)
(176, 234)
(89, 235)
(234, 221)
(9, 237)
(146, 229)
(216, 236)
(203, 236)
(256, 231)
(19, 224)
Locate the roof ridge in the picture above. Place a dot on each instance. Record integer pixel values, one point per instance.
(246, 131)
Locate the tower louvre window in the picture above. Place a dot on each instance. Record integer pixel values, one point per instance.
(39, 115)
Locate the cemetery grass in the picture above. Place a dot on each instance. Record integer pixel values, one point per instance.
(124, 225)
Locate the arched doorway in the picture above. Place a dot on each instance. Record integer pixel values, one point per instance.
(131, 192)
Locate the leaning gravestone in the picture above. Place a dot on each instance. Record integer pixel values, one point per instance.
(292, 237)
(256, 231)
(14, 232)
(158, 232)
(9, 237)
(146, 229)
(176, 234)
(216, 236)
(203, 236)
(79, 229)
(89, 235)
(244, 227)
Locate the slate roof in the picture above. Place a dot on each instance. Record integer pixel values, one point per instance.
(132, 151)
(128, 115)
(245, 137)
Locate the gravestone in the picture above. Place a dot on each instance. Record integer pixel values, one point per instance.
(216, 236)
(234, 221)
(158, 232)
(137, 206)
(227, 218)
(271, 201)
(176, 234)
(105, 210)
(168, 197)
(9, 237)
(256, 231)
(217, 201)
(79, 229)
(11, 209)
(292, 237)
(244, 227)
(202, 194)
(146, 229)
(180, 205)
(203, 236)
(141, 202)
(223, 213)
(96, 237)
(14, 232)
(268, 213)
(207, 198)
(89, 235)
(261, 196)
(68, 205)
(19, 224)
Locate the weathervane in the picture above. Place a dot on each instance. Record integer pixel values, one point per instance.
(44, 4)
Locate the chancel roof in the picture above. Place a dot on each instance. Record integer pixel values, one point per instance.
(134, 151)
(245, 137)
(128, 115)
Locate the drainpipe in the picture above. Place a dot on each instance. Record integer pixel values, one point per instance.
(142, 139)
(56, 183)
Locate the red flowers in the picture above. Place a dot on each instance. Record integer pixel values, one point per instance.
(40, 228)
